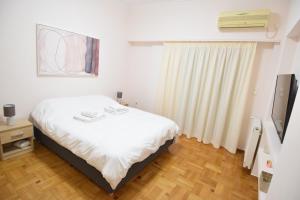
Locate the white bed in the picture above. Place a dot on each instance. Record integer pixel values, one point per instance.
(111, 145)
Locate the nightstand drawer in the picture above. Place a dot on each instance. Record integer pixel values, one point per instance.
(18, 134)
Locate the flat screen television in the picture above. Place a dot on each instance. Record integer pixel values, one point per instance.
(284, 98)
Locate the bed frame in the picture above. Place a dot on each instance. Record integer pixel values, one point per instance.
(90, 171)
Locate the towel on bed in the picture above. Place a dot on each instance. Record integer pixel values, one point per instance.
(84, 118)
(89, 114)
(116, 110)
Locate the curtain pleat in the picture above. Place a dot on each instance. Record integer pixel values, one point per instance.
(203, 87)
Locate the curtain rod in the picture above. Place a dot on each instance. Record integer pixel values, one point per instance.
(198, 41)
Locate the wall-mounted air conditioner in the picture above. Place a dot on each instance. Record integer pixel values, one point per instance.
(244, 19)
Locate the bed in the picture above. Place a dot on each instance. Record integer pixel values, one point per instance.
(111, 150)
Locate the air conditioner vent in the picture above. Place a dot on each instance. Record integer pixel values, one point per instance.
(244, 19)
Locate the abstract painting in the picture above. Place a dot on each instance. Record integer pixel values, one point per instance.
(63, 53)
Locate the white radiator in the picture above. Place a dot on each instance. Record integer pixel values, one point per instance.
(255, 131)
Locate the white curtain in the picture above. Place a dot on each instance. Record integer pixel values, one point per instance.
(203, 87)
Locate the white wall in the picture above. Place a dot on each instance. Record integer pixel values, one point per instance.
(296, 63)
(286, 181)
(19, 84)
(143, 75)
(188, 20)
(293, 33)
(288, 58)
(194, 19)
(293, 15)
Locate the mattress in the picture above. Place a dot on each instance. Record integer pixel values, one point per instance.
(112, 144)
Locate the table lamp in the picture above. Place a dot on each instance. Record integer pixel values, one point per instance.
(9, 112)
(119, 96)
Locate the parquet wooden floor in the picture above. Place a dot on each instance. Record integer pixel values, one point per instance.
(191, 170)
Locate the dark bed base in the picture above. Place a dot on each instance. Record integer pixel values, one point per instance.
(91, 171)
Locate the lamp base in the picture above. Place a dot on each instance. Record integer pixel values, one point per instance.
(119, 100)
(10, 121)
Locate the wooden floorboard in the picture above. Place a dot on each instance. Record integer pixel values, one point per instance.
(191, 171)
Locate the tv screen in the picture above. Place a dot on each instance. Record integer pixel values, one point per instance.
(284, 98)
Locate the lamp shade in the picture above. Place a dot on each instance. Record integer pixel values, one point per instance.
(9, 110)
(119, 95)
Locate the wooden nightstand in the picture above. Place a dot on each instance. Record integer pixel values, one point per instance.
(23, 129)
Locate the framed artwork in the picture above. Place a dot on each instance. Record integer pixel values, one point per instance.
(64, 53)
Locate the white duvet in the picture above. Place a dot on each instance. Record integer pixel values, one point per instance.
(113, 144)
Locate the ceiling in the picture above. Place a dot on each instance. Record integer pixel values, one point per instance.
(149, 1)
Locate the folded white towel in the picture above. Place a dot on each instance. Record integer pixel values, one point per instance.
(89, 114)
(116, 110)
(22, 143)
(89, 119)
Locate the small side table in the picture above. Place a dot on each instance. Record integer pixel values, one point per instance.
(22, 130)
